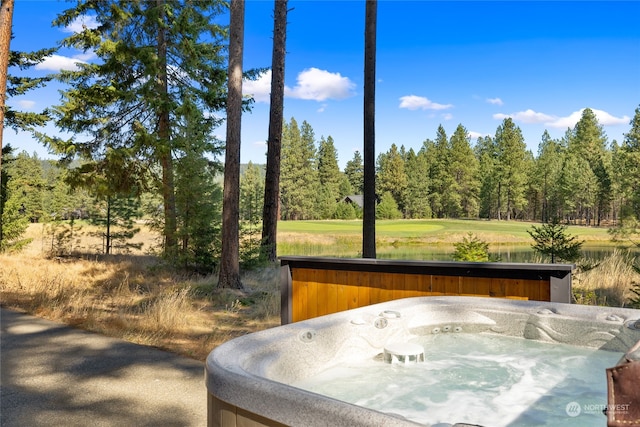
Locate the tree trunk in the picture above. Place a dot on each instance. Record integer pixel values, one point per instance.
(230, 260)
(164, 148)
(108, 236)
(499, 213)
(369, 212)
(271, 211)
(6, 19)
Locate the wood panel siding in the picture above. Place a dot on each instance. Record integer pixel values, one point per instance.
(314, 286)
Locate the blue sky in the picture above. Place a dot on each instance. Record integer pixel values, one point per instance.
(438, 62)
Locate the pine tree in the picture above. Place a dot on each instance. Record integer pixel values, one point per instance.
(298, 180)
(28, 185)
(388, 208)
(578, 188)
(548, 168)
(589, 142)
(391, 177)
(627, 172)
(13, 214)
(487, 154)
(252, 190)
(553, 240)
(329, 173)
(510, 168)
(417, 169)
(471, 249)
(354, 170)
(463, 166)
(198, 218)
(630, 164)
(439, 175)
(151, 55)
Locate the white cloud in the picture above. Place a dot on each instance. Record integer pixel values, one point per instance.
(320, 85)
(494, 101)
(413, 102)
(603, 117)
(259, 89)
(26, 104)
(58, 62)
(322, 108)
(529, 116)
(86, 56)
(447, 116)
(475, 135)
(80, 23)
(260, 144)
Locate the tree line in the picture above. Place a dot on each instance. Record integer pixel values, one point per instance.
(142, 118)
(581, 178)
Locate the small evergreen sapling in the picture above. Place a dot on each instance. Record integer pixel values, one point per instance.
(552, 239)
(471, 249)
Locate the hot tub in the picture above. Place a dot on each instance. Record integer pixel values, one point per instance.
(272, 377)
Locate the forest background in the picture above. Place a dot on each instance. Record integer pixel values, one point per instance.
(142, 158)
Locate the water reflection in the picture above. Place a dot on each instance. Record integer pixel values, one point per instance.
(505, 253)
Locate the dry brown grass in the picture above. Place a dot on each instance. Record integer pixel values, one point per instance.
(608, 283)
(136, 298)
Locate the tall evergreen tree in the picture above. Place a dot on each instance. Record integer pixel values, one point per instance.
(589, 142)
(329, 173)
(198, 218)
(354, 170)
(417, 170)
(463, 167)
(298, 179)
(151, 54)
(511, 168)
(251, 193)
(547, 172)
(391, 177)
(630, 167)
(577, 187)
(13, 218)
(29, 186)
(440, 177)
(487, 154)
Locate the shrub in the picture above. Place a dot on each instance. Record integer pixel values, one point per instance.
(552, 239)
(471, 249)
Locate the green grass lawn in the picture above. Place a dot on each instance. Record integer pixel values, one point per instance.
(437, 229)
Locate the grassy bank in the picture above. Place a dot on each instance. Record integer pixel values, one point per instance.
(434, 230)
(412, 237)
(137, 298)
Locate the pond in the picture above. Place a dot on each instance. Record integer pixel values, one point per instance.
(504, 253)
